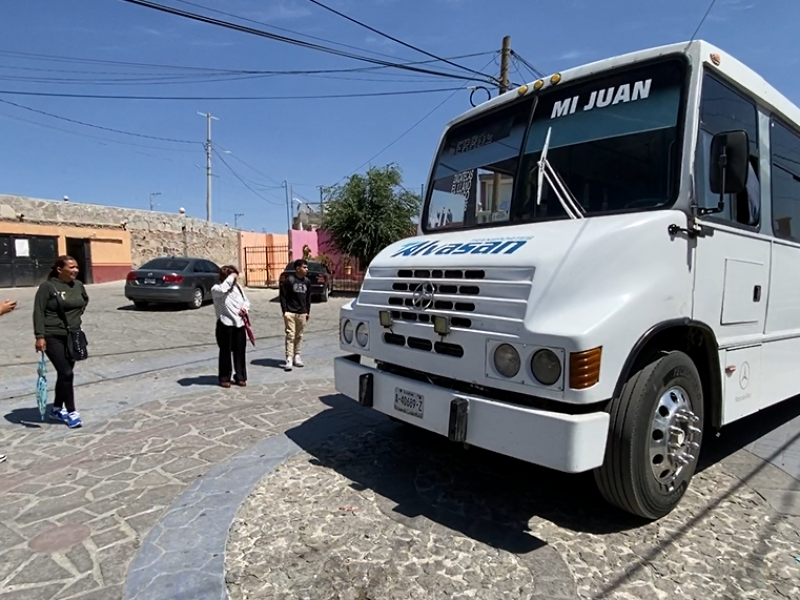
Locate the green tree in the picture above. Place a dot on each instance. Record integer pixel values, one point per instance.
(370, 212)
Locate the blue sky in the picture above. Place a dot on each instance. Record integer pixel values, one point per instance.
(309, 142)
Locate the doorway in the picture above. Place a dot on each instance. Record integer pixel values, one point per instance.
(80, 250)
(25, 260)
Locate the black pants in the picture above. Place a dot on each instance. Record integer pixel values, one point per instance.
(232, 340)
(56, 351)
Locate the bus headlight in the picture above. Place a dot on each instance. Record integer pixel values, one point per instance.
(506, 360)
(362, 335)
(347, 331)
(546, 367)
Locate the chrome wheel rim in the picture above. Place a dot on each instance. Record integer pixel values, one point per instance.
(674, 437)
(198, 298)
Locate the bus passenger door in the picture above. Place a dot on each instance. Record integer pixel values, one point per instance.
(732, 261)
(731, 282)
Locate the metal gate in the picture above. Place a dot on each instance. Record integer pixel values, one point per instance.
(348, 275)
(263, 265)
(25, 260)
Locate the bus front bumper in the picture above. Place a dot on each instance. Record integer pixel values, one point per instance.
(568, 443)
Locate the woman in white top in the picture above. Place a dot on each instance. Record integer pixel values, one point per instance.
(231, 304)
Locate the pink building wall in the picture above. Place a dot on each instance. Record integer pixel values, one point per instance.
(299, 239)
(327, 247)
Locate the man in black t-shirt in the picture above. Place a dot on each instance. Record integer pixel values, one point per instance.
(295, 297)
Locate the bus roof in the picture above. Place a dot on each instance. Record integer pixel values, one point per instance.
(698, 50)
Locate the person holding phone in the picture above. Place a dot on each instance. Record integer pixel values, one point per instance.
(231, 305)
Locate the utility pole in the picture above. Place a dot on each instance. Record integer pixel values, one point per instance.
(152, 195)
(505, 54)
(208, 117)
(236, 219)
(289, 216)
(322, 190)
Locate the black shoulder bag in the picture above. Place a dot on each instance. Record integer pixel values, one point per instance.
(77, 345)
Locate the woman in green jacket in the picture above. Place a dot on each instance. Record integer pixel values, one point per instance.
(51, 331)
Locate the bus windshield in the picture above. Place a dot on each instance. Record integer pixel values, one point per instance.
(613, 142)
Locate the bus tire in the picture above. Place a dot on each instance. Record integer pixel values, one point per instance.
(654, 439)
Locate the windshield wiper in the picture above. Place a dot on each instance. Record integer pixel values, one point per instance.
(546, 171)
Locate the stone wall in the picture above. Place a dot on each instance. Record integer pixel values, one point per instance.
(152, 233)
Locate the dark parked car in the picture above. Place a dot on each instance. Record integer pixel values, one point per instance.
(320, 276)
(172, 280)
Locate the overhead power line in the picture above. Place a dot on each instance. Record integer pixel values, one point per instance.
(292, 31)
(243, 182)
(196, 98)
(703, 20)
(251, 167)
(85, 124)
(396, 40)
(538, 73)
(410, 129)
(281, 38)
(102, 140)
(208, 70)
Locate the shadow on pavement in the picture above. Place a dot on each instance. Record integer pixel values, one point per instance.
(160, 307)
(27, 417)
(274, 363)
(488, 497)
(741, 434)
(199, 380)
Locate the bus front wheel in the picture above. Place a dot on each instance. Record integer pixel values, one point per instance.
(654, 439)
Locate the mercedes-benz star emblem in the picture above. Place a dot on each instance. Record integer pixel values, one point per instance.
(423, 296)
(744, 376)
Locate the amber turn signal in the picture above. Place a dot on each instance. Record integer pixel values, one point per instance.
(584, 368)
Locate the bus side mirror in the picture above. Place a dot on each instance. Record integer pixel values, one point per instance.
(730, 153)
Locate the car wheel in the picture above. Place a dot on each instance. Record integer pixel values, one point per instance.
(140, 304)
(655, 433)
(197, 299)
(325, 293)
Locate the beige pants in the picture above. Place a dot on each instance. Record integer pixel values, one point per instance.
(295, 326)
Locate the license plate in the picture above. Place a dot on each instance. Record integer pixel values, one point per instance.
(409, 403)
(149, 281)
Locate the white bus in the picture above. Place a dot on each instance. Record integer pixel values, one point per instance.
(616, 273)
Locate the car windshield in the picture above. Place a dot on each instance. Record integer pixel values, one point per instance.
(166, 264)
(612, 141)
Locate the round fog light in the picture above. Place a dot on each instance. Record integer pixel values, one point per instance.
(546, 367)
(347, 332)
(506, 360)
(362, 335)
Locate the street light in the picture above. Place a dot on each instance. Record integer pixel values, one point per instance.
(152, 195)
(236, 219)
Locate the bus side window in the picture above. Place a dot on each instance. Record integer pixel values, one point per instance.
(724, 109)
(785, 145)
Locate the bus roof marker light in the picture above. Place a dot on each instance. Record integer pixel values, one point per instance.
(522, 90)
(538, 84)
(715, 59)
(555, 78)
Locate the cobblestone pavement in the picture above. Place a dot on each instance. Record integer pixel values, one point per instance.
(75, 505)
(328, 501)
(401, 514)
(126, 343)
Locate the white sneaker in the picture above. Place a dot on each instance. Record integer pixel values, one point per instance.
(287, 366)
(298, 362)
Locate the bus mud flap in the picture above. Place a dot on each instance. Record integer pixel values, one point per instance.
(366, 389)
(459, 412)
